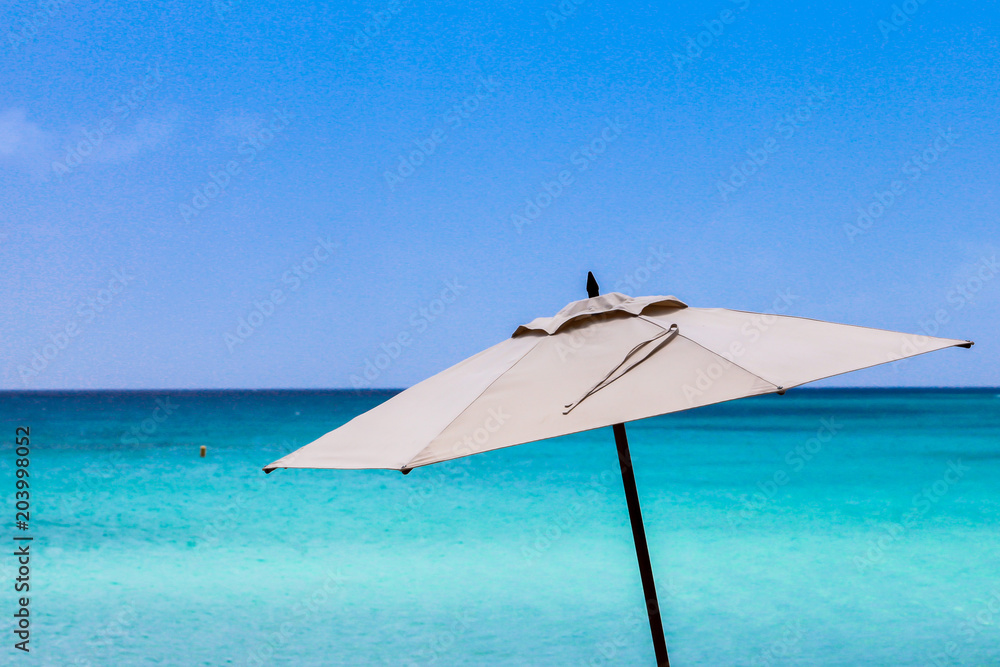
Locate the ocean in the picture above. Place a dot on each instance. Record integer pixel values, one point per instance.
(823, 527)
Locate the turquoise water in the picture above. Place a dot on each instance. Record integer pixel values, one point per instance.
(825, 527)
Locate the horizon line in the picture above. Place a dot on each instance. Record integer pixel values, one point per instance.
(362, 390)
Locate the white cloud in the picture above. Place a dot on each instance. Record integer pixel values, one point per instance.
(147, 135)
(44, 154)
(23, 144)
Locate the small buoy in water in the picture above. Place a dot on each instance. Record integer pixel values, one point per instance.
(204, 450)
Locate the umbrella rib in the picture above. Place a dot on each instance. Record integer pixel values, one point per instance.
(958, 343)
(840, 324)
(407, 466)
(729, 361)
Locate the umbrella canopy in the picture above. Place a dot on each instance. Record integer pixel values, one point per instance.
(601, 361)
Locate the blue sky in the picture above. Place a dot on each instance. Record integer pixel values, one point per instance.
(446, 171)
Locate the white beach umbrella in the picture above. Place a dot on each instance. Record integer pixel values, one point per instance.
(598, 362)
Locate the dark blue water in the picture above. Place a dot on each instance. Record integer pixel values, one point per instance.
(825, 527)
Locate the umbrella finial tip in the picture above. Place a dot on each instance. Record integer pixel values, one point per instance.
(592, 287)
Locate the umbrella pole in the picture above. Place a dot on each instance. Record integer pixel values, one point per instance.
(641, 550)
(638, 531)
